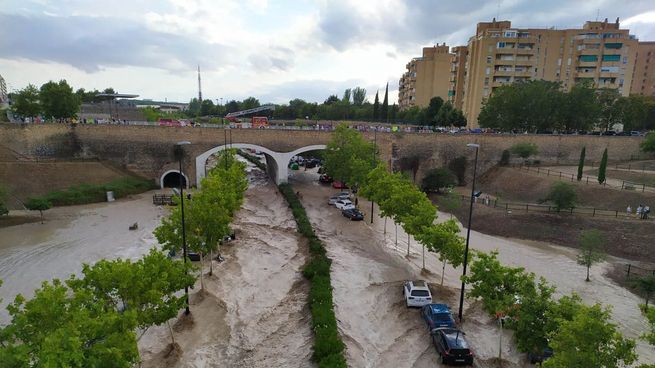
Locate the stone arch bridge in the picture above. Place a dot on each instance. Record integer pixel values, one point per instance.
(148, 150)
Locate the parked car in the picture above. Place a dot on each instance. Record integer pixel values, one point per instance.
(353, 214)
(416, 293)
(344, 204)
(540, 357)
(451, 346)
(333, 200)
(339, 185)
(324, 178)
(437, 315)
(194, 257)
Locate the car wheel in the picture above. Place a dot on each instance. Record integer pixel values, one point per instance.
(443, 359)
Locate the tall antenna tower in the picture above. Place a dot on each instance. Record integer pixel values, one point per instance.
(199, 87)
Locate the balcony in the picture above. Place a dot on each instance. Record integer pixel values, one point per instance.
(585, 74)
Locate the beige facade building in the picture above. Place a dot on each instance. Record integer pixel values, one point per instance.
(425, 77)
(643, 77)
(599, 52)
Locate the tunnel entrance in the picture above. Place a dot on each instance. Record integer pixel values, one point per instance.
(171, 179)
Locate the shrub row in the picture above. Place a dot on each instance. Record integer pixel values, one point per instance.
(91, 193)
(254, 159)
(328, 346)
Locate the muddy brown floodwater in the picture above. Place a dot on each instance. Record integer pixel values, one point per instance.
(255, 312)
(32, 253)
(369, 267)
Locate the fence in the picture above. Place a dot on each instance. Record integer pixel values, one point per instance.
(586, 179)
(532, 207)
(637, 272)
(163, 199)
(636, 166)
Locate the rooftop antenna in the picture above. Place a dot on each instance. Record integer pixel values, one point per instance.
(199, 87)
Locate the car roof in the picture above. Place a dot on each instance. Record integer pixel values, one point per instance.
(438, 308)
(454, 337)
(419, 284)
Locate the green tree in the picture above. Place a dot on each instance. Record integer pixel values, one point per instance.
(376, 107)
(522, 106)
(438, 178)
(591, 249)
(444, 115)
(579, 109)
(528, 318)
(445, 240)
(359, 96)
(590, 340)
(450, 202)
(433, 109)
(648, 145)
(602, 168)
(346, 95)
(457, 118)
(524, 149)
(61, 328)
(609, 101)
(650, 316)
(207, 107)
(26, 102)
(384, 110)
(38, 204)
(58, 100)
(562, 195)
(249, 103)
(581, 163)
(646, 285)
(348, 157)
(148, 287)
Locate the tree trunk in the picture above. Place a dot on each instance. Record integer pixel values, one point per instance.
(211, 262)
(423, 256)
(202, 281)
(588, 267)
(443, 271)
(170, 329)
(396, 235)
(385, 225)
(408, 244)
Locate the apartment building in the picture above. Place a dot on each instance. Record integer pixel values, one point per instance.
(426, 77)
(599, 52)
(498, 54)
(643, 76)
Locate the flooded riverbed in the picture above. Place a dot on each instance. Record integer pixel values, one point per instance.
(34, 252)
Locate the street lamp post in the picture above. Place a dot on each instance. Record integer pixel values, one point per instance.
(468, 230)
(179, 154)
(375, 148)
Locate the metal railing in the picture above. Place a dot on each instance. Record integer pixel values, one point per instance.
(636, 271)
(586, 179)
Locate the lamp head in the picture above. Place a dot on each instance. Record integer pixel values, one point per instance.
(473, 145)
(179, 149)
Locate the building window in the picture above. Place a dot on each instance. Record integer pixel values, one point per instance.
(488, 59)
(486, 81)
(568, 62)
(608, 57)
(488, 71)
(500, 45)
(590, 58)
(613, 45)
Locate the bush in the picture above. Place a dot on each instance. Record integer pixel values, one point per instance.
(254, 159)
(91, 193)
(504, 158)
(562, 195)
(524, 149)
(437, 179)
(648, 145)
(328, 346)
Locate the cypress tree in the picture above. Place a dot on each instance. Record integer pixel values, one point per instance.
(384, 113)
(602, 168)
(376, 107)
(581, 163)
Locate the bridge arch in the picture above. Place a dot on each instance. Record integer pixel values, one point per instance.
(175, 173)
(277, 162)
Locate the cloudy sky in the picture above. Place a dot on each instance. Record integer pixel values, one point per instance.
(274, 50)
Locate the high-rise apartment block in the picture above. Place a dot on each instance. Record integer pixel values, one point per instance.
(643, 77)
(425, 78)
(600, 52)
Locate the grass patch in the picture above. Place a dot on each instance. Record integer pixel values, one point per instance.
(328, 346)
(92, 193)
(254, 159)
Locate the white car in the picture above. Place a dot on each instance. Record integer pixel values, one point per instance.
(344, 204)
(416, 293)
(333, 200)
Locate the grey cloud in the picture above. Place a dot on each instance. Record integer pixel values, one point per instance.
(90, 43)
(427, 21)
(272, 58)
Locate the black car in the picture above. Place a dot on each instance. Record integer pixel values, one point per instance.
(353, 214)
(451, 346)
(193, 257)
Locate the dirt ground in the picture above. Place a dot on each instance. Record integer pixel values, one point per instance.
(369, 267)
(634, 176)
(254, 313)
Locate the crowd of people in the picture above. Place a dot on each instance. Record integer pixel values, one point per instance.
(642, 211)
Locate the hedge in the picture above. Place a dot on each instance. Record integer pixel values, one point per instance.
(254, 159)
(92, 193)
(328, 346)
